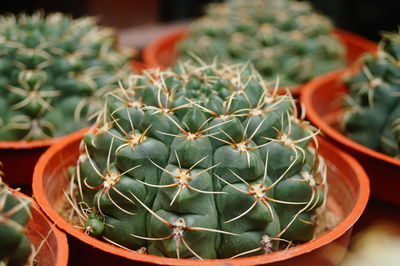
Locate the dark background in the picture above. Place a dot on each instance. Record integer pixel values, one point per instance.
(366, 17)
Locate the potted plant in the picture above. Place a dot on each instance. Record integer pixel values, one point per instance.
(27, 236)
(285, 38)
(202, 164)
(54, 71)
(358, 109)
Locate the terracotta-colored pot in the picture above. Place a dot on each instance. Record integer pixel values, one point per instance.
(19, 159)
(162, 53)
(45, 235)
(323, 98)
(348, 195)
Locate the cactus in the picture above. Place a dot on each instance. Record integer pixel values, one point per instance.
(15, 247)
(53, 72)
(280, 37)
(372, 107)
(200, 162)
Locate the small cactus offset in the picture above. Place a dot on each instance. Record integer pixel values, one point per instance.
(280, 37)
(53, 72)
(372, 107)
(15, 247)
(201, 162)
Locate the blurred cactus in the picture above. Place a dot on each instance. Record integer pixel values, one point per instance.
(372, 107)
(53, 73)
(280, 37)
(15, 247)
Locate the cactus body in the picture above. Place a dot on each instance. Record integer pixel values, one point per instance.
(203, 162)
(15, 247)
(53, 72)
(280, 37)
(372, 107)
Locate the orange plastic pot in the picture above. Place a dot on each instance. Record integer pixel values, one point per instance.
(162, 53)
(348, 196)
(45, 235)
(19, 159)
(323, 98)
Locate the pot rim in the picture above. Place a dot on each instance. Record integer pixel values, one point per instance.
(28, 144)
(171, 37)
(324, 239)
(312, 114)
(61, 238)
(32, 144)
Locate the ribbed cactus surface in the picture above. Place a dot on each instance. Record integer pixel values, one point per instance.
(200, 162)
(280, 37)
(53, 72)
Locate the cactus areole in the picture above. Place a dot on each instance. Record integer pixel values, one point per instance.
(201, 162)
(54, 71)
(372, 107)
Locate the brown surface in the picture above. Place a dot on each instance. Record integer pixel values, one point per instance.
(124, 13)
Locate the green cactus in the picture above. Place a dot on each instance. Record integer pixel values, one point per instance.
(372, 106)
(53, 72)
(15, 247)
(280, 37)
(200, 162)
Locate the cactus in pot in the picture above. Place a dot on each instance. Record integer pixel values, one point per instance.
(203, 161)
(372, 106)
(53, 73)
(15, 247)
(280, 37)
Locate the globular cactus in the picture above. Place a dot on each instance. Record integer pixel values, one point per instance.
(280, 37)
(15, 247)
(201, 162)
(53, 72)
(372, 106)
